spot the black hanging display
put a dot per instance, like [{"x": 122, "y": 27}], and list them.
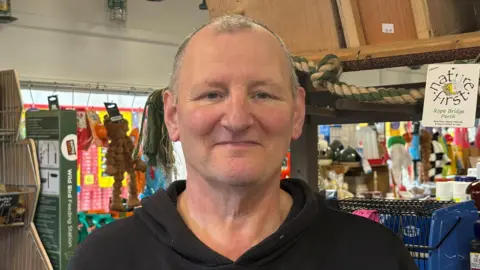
[
  {"x": 6, "y": 12},
  {"x": 118, "y": 10},
  {"x": 203, "y": 5}
]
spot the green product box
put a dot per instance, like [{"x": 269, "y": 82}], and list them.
[{"x": 55, "y": 133}]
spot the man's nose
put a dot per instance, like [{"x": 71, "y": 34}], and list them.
[{"x": 238, "y": 115}]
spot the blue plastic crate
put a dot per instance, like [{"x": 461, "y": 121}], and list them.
[{"x": 438, "y": 234}]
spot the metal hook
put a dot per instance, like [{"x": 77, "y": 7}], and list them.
[
  {"x": 31, "y": 94},
  {"x": 133, "y": 101},
  {"x": 108, "y": 94},
  {"x": 89, "y": 94},
  {"x": 73, "y": 96},
  {"x": 55, "y": 89}
]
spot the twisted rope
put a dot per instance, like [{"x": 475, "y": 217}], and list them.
[
  {"x": 157, "y": 146},
  {"x": 325, "y": 74}
]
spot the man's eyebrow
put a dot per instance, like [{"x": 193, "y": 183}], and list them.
[
  {"x": 218, "y": 83},
  {"x": 267, "y": 82},
  {"x": 215, "y": 83}
]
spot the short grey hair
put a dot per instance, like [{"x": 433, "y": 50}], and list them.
[{"x": 230, "y": 24}]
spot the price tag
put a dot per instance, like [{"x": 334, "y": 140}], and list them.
[{"x": 388, "y": 28}]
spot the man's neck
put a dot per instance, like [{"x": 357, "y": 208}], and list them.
[{"x": 232, "y": 220}]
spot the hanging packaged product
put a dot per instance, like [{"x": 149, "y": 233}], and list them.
[
  {"x": 83, "y": 132},
  {"x": 97, "y": 129}
]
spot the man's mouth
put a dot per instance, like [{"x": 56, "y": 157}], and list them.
[{"x": 245, "y": 143}]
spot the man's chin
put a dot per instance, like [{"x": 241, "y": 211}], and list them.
[
  {"x": 239, "y": 180},
  {"x": 236, "y": 182}
]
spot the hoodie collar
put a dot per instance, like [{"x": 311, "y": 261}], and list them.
[{"x": 160, "y": 215}]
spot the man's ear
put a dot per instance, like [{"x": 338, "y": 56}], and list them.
[
  {"x": 170, "y": 115},
  {"x": 298, "y": 113}
]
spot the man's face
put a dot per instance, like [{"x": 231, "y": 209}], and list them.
[{"x": 235, "y": 113}]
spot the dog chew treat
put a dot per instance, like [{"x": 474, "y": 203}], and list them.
[
  {"x": 425, "y": 146},
  {"x": 137, "y": 179},
  {"x": 119, "y": 161}
]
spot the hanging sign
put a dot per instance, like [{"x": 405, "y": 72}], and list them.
[
  {"x": 113, "y": 111},
  {"x": 53, "y": 104},
  {"x": 451, "y": 93}
]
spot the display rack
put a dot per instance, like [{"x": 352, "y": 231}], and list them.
[
  {"x": 19, "y": 185},
  {"x": 323, "y": 108}
]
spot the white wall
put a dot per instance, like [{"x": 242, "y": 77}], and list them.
[{"x": 75, "y": 40}]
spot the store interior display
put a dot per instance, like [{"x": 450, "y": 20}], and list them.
[
  {"x": 102, "y": 198},
  {"x": 365, "y": 147},
  {"x": 380, "y": 163},
  {"x": 368, "y": 165}
]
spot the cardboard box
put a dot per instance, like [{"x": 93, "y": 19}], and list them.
[
  {"x": 55, "y": 133},
  {"x": 369, "y": 22}
]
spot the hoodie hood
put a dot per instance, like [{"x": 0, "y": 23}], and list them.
[{"x": 159, "y": 214}]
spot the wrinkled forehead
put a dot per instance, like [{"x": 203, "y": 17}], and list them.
[{"x": 250, "y": 53}]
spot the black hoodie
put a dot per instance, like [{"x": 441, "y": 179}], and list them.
[{"x": 313, "y": 236}]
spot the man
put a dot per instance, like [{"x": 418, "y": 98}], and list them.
[{"x": 235, "y": 104}]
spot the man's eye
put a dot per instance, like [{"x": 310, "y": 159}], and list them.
[
  {"x": 262, "y": 95},
  {"x": 212, "y": 95}
]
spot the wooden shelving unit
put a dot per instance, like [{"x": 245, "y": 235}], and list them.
[
  {"x": 323, "y": 108},
  {"x": 406, "y": 53}
]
